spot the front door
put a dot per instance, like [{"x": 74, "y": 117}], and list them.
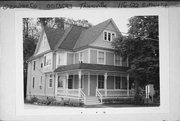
[{"x": 93, "y": 85}]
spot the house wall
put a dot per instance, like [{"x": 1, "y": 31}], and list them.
[
  {"x": 93, "y": 56},
  {"x": 110, "y": 82},
  {"x": 86, "y": 56},
  {"x": 37, "y": 74},
  {"x": 49, "y": 91},
  {"x": 70, "y": 57},
  {"x": 109, "y": 58},
  {"x": 76, "y": 58}
]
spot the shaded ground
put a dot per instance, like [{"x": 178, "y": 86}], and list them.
[{"x": 26, "y": 106}]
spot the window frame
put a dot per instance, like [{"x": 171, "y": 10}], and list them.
[
  {"x": 44, "y": 60},
  {"x": 50, "y": 80},
  {"x": 108, "y": 36},
  {"x": 33, "y": 84},
  {"x": 60, "y": 81},
  {"x": 81, "y": 56},
  {"x": 115, "y": 59},
  {"x": 99, "y": 81},
  {"x": 70, "y": 78},
  {"x": 120, "y": 82},
  {"x": 34, "y": 65},
  {"x": 98, "y": 57}
]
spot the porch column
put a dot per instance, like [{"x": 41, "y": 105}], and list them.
[
  {"x": 88, "y": 83},
  {"x": 55, "y": 84},
  {"x": 105, "y": 83},
  {"x": 66, "y": 84},
  {"x": 79, "y": 77},
  {"x": 127, "y": 84},
  {"x": 67, "y": 77}
]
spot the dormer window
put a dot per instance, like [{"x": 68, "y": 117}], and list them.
[{"x": 109, "y": 36}]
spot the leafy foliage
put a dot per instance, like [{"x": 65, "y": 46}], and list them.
[{"x": 141, "y": 46}]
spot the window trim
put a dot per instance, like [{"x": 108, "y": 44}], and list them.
[
  {"x": 50, "y": 78},
  {"x": 60, "y": 78},
  {"x": 34, "y": 65},
  {"x": 120, "y": 64},
  {"x": 107, "y": 35},
  {"x": 33, "y": 84},
  {"x": 81, "y": 59},
  {"x": 45, "y": 60},
  {"x": 98, "y": 82},
  {"x": 98, "y": 51},
  {"x": 120, "y": 82}
]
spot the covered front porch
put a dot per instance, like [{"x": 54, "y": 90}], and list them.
[{"x": 84, "y": 83}]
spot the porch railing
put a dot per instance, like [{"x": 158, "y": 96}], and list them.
[
  {"x": 99, "y": 95},
  {"x": 115, "y": 92},
  {"x": 82, "y": 95},
  {"x": 68, "y": 92}
]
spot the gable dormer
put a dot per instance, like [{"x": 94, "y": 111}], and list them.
[
  {"x": 43, "y": 44},
  {"x": 110, "y": 31}
]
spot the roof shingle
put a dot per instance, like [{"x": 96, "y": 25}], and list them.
[{"x": 90, "y": 67}]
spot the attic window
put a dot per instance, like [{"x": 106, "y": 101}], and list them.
[{"x": 109, "y": 36}]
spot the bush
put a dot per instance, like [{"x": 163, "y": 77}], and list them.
[
  {"x": 118, "y": 100},
  {"x": 52, "y": 101},
  {"x": 139, "y": 97}
]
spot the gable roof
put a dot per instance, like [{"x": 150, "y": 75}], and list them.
[
  {"x": 74, "y": 37},
  {"x": 90, "y": 35},
  {"x": 70, "y": 37},
  {"x": 53, "y": 36}
]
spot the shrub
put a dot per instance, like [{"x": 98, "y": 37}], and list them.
[
  {"x": 118, "y": 100},
  {"x": 139, "y": 97}
]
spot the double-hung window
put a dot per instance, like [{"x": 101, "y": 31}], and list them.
[
  {"x": 117, "y": 82},
  {"x": 101, "y": 58},
  {"x": 50, "y": 81},
  {"x": 34, "y": 65},
  {"x": 118, "y": 60},
  {"x": 109, "y": 36},
  {"x": 33, "y": 85},
  {"x": 100, "y": 81},
  {"x": 44, "y": 60},
  {"x": 60, "y": 81},
  {"x": 40, "y": 83}
]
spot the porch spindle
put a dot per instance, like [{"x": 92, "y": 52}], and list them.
[
  {"x": 127, "y": 84},
  {"x": 105, "y": 85}
]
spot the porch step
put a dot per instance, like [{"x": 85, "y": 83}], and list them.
[{"x": 92, "y": 101}]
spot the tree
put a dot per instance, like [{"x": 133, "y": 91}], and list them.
[
  {"x": 59, "y": 22},
  {"x": 141, "y": 47}
]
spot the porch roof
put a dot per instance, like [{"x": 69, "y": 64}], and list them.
[{"x": 91, "y": 67}]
